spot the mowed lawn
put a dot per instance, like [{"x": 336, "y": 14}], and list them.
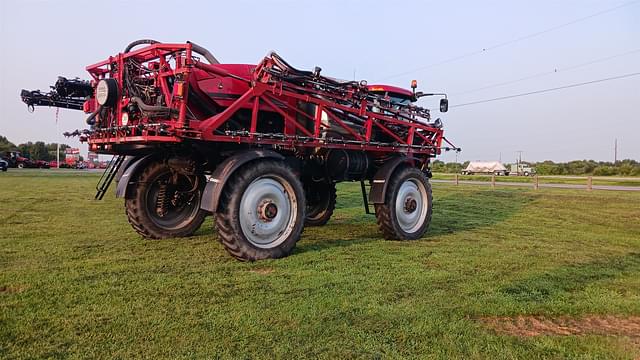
[{"x": 77, "y": 281}]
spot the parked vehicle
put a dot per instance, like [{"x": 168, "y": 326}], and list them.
[
  {"x": 485, "y": 167},
  {"x": 41, "y": 164},
  {"x": 522, "y": 169},
  {"x": 261, "y": 147},
  {"x": 16, "y": 160}
]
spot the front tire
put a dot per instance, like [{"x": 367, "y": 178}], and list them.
[
  {"x": 165, "y": 204},
  {"x": 261, "y": 212},
  {"x": 406, "y": 212}
]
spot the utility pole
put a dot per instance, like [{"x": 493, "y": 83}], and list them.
[
  {"x": 519, "y": 160},
  {"x": 519, "y": 156},
  {"x": 58, "y": 138},
  {"x": 615, "y": 151}
]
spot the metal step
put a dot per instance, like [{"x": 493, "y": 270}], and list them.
[{"x": 108, "y": 175}]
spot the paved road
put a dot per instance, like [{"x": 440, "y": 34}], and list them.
[{"x": 529, "y": 185}]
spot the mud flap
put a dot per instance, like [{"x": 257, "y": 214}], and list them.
[{"x": 215, "y": 184}]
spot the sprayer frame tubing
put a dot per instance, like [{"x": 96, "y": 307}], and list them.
[
  {"x": 266, "y": 93},
  {"x": 269, "y": 92}
]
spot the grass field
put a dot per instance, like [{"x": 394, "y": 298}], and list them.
[
  {"x": 574, "y": 180},
  {"x": 497, "y": 276}
]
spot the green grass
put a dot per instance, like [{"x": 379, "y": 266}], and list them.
[
  {"x": 76, "y": 281},
  {"x": 575, "y": 180}
]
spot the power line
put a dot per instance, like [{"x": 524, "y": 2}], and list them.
[
  {"x": 512, "y": 41},
  {"x": 547, "y": 90},
  {"x": 546, "y": 73}
]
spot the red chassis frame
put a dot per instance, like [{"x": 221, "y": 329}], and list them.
[{"x": 267, "y": 88}]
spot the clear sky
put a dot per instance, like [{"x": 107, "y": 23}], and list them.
[{"x": 376, "y": 40}]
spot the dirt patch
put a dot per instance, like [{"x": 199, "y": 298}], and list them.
[
  {"x": 262, "y": 271},
  {"x": 590, "y": 325},
  {"x": 6, "y": 289}
]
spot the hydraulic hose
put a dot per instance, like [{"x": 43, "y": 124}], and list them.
[
  {"x": 151, "y": 108},
  {"x": 195, "y": 47},
  {"x": 91, "y": 120},
  {"x": 139, "y": 42},
  {"x": 204, "y": 52},
  {"x": 303, "y": 73}
]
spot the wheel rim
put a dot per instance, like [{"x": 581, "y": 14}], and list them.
[
  {"x": 268, "y": 211},
  {"x": 411, "y": 205},
  {"x": 181, "y": 204}
]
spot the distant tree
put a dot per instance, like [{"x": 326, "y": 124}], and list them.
[
  {"x": 6, "y": 145},
  {"x": 39, "y": 151},
  {"x": 437, "y": 166},
  {"x": 625, "y": 167},
  {"x": 25, "y": 149},
  {"x": 52, "y": 147}
]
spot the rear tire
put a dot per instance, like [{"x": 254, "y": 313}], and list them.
[
  {"x": 178, "y": 215},
  {"x": 406, "y": 212},
  {"x": 321, "y": 201},
  {"x": 261, "y": 212}
]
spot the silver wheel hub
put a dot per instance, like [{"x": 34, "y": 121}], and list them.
[
  {"x": 411, "y": 205},
  {"x": 268, "y": 211}
]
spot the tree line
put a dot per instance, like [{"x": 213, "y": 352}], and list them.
[
  {"x": 41, "y": 151},
  {"x": 38, "y": 150},
  {"x": 625, "y": 167}
]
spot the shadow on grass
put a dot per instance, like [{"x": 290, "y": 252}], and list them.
[
  {"x": 571, "y": 278},
  {"x": 463, "y": 211},
  {"x": 455, "y": 212}
]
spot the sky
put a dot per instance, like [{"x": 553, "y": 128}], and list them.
[{"x": 438, "y": 43}]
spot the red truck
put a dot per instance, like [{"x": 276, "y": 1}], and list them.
[
  {"x": 16, "y": 160},
  {"x": 260, "y": 147}
]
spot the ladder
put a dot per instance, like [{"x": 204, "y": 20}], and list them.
[{"x": 108, "y": 175}]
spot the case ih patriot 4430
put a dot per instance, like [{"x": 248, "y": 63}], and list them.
[{"x": 260, "y": 147}]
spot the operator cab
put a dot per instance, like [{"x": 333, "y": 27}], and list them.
[
  {"x": 396, "y": 95},
  {"x": 399, "y": 96}
]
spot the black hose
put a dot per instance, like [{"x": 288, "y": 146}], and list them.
[
  {"x": 204, "y": 52},
  {"x": 151, "y": 108},
  {"x": 303, "y": 73},
  {"x": 91, "y": 120},
  {"x": 195, "y": 47},
  {"x": 139, "y": 42}
]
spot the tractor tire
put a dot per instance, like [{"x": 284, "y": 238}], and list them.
[
  {"x": 406, "y": 212},
  {"x": 526, "y": 173},
  {"x": 261, "y": 211},
  {"x": 20, "y": 166},
  {"x": 159, "y": 209},
  {"x": 321, "y": 201}
]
